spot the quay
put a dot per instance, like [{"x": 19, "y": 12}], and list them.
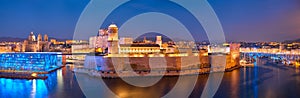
[
  {"x": 146, "y": 73},
  {"x": 29, "y": 75}
]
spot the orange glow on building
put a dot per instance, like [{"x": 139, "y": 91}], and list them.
[{"x": 99, "y": 50}]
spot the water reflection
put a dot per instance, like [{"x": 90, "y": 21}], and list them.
[
  {"x": 11, "y": 88},
  {"x": 255, "y": 85},
  {"x": 58, "y": 84},
  {"x": 266, "y": 80},
  {"x": 158, "y": 90}
]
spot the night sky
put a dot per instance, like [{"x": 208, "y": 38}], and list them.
[{"x": 242, "y": 20}]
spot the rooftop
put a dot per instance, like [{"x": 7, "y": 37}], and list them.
[{"x": 139, "y": 45}]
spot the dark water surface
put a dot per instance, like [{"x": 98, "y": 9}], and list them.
[
  {"x": 59, "y": 84},
  {"x": 266, "y": 80}
]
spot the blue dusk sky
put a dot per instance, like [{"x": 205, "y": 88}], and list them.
[{"x": 242, "y": 20}]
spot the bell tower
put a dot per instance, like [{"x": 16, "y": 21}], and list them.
[{"x": 113, "y": 39}]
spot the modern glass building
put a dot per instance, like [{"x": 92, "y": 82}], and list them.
[{"x": 30, "y": 62}]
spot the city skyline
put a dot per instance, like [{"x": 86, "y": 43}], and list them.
[
  {"x": 149, "y": 48},
  {"x": 253, "y": 20}
]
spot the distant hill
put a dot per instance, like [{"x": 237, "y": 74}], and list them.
[
  {"x": 11, "y": 39},
  {"x": 15, "y": 39},
  {"x": 152, "y": 36},
  {"x": 291, "y": 41}
]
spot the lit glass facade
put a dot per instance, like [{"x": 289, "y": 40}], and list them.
[{"x": 32, "y": 62}]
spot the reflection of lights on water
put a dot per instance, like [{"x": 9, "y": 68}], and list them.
[
  {"x": 123, "y": 94},
  {"x": 33, "y": 91},
  {"x": 14, "y": 88},
  {"x": 39, "y": 89},
  {"x": 255, "y": 86},
  {"x": 59, "y": 78},
  {"x": 235, "y": 80},
  {"x": 297, "y": 72}
]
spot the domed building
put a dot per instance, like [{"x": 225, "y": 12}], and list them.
[
  {"x": 33, "y": 45},
  {"x": 31, "y": 37}
]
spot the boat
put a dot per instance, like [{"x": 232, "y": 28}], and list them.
[{"x": 246, "y": 63}]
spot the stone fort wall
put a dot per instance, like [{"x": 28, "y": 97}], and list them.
[{"x": 140, "y": 63}]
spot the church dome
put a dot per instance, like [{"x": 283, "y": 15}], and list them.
[
  {"x": 113, "y": 26},
  {"x": 31, "y": 37}
]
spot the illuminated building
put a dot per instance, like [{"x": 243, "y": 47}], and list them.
[
  {"x": 204, "y": 59},
  {"x": 159, "y": 40},
  {"x": 185, "y": 44},
  {"x": 126, "y": 45},
  {"x": 146, "y": 41},
  {"x": 142, "y": 53},
  {"x": 18, "y": 47},
  {"x": 5, "y": 48},
  {"x": 169, "y": 48},
  {"x": 107, "y": 41},
  {"x": 81, "y": 48},
  {"x": 99, "y": 42},
  {"x": 33, "y": 45},
  {"x": 139, "y": 48},
  {"x": 46, "y": 38},
  {"x": 126, "y": 40},
  {"x": 31, "y": 37},
  {"x": 70, "y": 42},
  {"x": 234, "y": 55},
  {"x": 31, "y": 62},
  {"x": 39, "y": 37},
  {"x": 55, "y": 42},
  {"x": 113, "y": 39},
  {"x": 224, "y": 57}
]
